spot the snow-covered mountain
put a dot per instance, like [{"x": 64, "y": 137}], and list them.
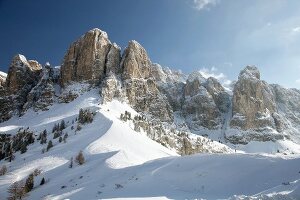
[{"x": 134, "y": 119}]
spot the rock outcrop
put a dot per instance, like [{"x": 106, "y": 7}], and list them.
[
  {"x": 22, "y": 76},
  {"x": 204, "y": 102},
  {"x": 2, "y": 79},
  {"x": 86, "y": 58},
  {"x": 140, "y": 86},
  {"x": 254, "y": 110},
  {"x": 288, "y": 106},
  {"x": 42, "y": 95},
  {"x": 253, "y": 102}
]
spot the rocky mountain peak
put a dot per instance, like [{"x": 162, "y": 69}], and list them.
[
  {"x": 97, "y": 31},
  {"x": 162, "y": 94},
  {"x": 250, "y": 72},
  {"x": 135, "y": 61},
  {"x": 22, "y": 72},
  {"x": 196, "y": 75},
  {"x": 85, "y": 60}
]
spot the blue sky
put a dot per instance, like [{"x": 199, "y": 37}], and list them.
[{"x": 219, "y": 37}]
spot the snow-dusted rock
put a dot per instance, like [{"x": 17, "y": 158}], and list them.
[
  {"x": 42, "y": 95},
  {"x": 204, "y": 102},
  {"x": 2, "y": 78},
  {"x": 22, "y": 76},
  {"x": 253, "y": 101},
  {"x": 141, "y": 88},
  {"x": 113, "y": 59}
]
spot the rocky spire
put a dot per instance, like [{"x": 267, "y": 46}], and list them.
[
  {"x": 135, "y": 61},
  {"x": 22, "y": 74},
  {"x": 86, "y": 58},
  {"x": 253, "y": 101},
  {"x": 141, "y": 88}
]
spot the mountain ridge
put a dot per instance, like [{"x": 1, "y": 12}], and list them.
[{"x": 203, "y": 105}]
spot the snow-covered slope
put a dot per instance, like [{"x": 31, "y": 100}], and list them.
[
  {"x": 107, "y": 140},
  {"x": 122, "y": 163}
]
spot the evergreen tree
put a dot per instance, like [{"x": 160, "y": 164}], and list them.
[
  {"x": 16, "y": 191},
  {"x": 62, "y": 125},
  {"x": 71, "y": 163},
  {"x": 44, "y": 137},
  {"x": 42, "y": 181},
  {"x": 30, "y": 138},
  {"x": 60, "y": 139},
  {"x": 23, "y": 147},
  {"x": 80, "y": 158},
  {"x": 29, "y": 183},
  {"x": 3, "y": 170},
  {"x": 50, "y": 145},
  {"x": 65, "y": 137}
]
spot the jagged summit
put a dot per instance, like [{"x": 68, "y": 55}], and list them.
[
  {"x": 196, "y": 75},
  {"x": 250, "y": 72},
  {"x": 86, "y": 57},
  {"x": 119, "y": 112},
  {"x": 97, "y": 31},
  {"x": 203, "y": 105}
]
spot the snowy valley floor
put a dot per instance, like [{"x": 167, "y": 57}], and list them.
[{"x": 124, "y": 164}]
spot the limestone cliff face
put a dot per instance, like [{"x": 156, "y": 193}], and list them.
[
  {"x": 288, "y": 107},
  {"x": 86, "y": 58},
  {"x": 22, "y": 76},
  {"x": 113, "y": 60},
  {"x": 140, "y": 86},
  {"x": 135, "y": 62},
  {"x": 257, "y": 110},
  {"x": 204, "y": 102},
  {"x": 42, "y": 94},
  {"x": 253, "y": 101}
]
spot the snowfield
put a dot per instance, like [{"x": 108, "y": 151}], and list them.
[{"x": 124, "y": 164}]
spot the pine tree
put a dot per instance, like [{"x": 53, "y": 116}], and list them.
[
  {"x": 62, "y": 125},
  {"x": 30, "y": 138},
  {"x": 44, "y": 137},
  {"x": 3, "y": 170},
  {"x": 11, "y": 155},
  {"x": 42, "y": 181},
  {"x": 29, "y": 183},
  {"x": 60, "y": 139},
  {"x": 71, "y": 163},
  {"x": 80, "y": 158},
  {"x": 23, "y": 147},
  {"x": 50, "y": 145},
  {"x": 65, "y": 137},
  {"x": 16, "y": 191}
]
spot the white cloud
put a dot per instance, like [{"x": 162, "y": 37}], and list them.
[
  {"x": 296, "y": 29},
  {"x": 202, "y": 4},
  {"x": 298, "y": 81},
  {"x": 213, "y": 72}
]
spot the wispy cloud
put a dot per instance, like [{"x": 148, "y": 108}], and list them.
[
  {"x": 204, "y": 4},
  {"x": 213, "y": 72},
  {"x": 298, "y": 81},
  {"x": 296, "y": 29}
]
